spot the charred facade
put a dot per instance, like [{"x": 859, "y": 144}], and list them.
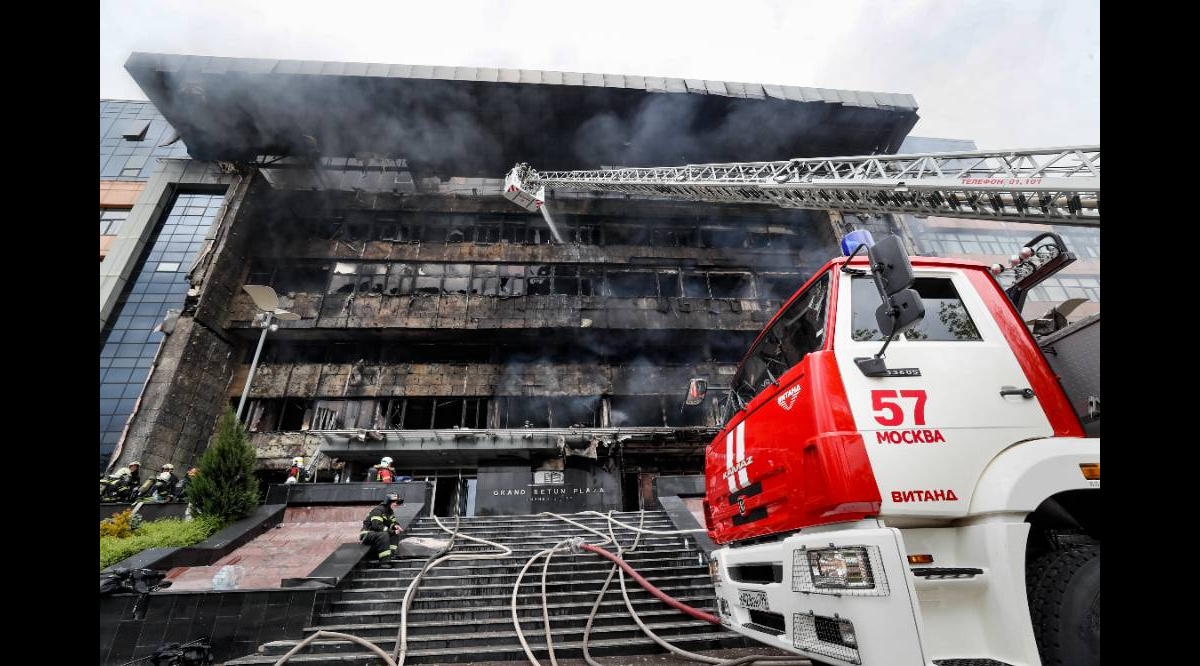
[{"x": 442, "y": 326}]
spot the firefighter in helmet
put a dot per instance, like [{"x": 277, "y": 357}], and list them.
[
  {"x": 296, "y": 472},
  {"x": 383, "y": 472},
  {"x": 381, "y": 532},
  {"x": 162, "y": 487},
  {"x": 121, "y": 484}
]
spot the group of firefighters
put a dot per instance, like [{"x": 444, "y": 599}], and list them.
[
  {"x": 381, "y": 473},
  {"x": 380, "y": 530},
  {"x": 126, "y": 484}
]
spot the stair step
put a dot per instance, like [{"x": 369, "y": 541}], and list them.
[
  {"x": 503, "y": 610},
  {"x": 494, "y": 638},
  {"x": 490, "y": 568},
  {"x": 529, "y": 621},
  {"x": 491, "y": 576},
  {"x": 711, "y": 640},
  {"x": 396, "y": 596},
  {"x": 531, "y": 583}
]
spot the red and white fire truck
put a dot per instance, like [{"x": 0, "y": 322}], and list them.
[
  {"x": 901, "y": 478},
  {"x": 936, "y": 506}
]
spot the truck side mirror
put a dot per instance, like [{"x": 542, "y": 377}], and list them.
[
  {"x": 890, "y": 264},
  {"x": 901, "y": 307},
  {"x": 908, "y": 309},
  {"x": 697, "y": 388}
]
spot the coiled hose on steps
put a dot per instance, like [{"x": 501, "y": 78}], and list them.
[{"x": 620, "y": 566}]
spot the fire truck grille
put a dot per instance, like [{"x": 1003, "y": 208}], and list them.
[{"x": 821, "y": 635}]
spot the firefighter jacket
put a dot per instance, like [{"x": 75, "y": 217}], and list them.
[
  {"x": 381, "y": 519},
  {"x": 126, "y": 477},
  {"x": 165, "y": 482},
  {"x": 382, "y": 473}
]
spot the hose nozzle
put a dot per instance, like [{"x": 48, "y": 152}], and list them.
[{"x": 576, "y": 545}]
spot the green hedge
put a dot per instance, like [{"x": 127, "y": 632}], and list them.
[{"x": 165, "y": 533}]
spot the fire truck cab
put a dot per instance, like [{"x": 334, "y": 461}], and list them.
[{"x": 934, "y": 503}]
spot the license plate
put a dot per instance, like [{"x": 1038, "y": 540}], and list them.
[{"x": 753, "y": 599}]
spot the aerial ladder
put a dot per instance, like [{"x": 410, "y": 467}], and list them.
[
  {"x": 1042, "y": 185},
  {"x": 916, "y": 487}
]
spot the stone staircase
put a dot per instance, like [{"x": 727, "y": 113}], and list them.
[{"x": 461, "y": 613}]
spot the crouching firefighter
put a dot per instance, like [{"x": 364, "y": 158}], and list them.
[{"x": 381, "y": 532}]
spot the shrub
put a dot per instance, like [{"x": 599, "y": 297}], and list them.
[
  {"x": 119, "y": 525},
  {"x": 165, "y": 533},
  {"x": 225, "y": 486}
]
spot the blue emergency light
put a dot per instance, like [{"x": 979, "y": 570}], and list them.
[{"x": 852, "y": 241}]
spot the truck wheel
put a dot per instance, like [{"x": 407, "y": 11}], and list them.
[{"x": 1064, "y": 605}]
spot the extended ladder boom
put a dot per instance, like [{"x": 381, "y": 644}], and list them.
[{"x": 1049, "y": 185}]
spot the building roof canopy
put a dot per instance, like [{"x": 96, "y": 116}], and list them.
[{"x": 478, "y": 121}]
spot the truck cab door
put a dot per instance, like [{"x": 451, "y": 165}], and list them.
[{"x": 954, "y": 398}]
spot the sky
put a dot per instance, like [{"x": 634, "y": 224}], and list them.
[{"x": 1007, "y": 74}]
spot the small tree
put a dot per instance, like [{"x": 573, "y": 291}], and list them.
[{"x": 225, "y": 486}]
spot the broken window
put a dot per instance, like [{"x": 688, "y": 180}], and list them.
[
  {"x": 668, "y": 284},
  {"x": 372, "y": 278},
  {"x": 514, "y": 232},
  {"x": 631, "y": 284},
  {"x": 680, "y": 415},
  {"x": 731, "y": 285},
  {"x": 458, "y": 278},
  {"x": 357, "y": 231},
  {"x": 566, "y": 280},
  {"x": 429, "y": 279},
  {"x": 587, "y": 234},
  {"x": 135, "y": 130},
  {"x": 326, "y": 415},
  {"x": 538, "y": 280},
  {"x": 512, "y": 280},
  {"x": 525, "y": 412},
  {"x": 591, "y": 279},
  {"x": 636, "y": 411},
  {"x": 621, "y": 234},
  {"x": 386, "y": 230},
  {"x": 487, "y": 232},
  {"x": 695, "y": 285},
  {"x": 291, "y": 414},
  {"x": 399, "y": 280},
  {"x": 667, "y": 237},
  {"x": 574, "y": 411},
  {"x": 433, "y": 233},
  {"x": 418, "y": 413},
  {"x": 717, "y": 237},
  {"x": 301, "y": 279},
  {"x": 459, "y": 413},
  {"x": 484, "y": 281}
]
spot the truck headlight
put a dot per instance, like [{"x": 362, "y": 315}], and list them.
[{"x": 841, "y": 568}]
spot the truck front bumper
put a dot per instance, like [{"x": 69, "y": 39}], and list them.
[{"x": 768, "y": 593}]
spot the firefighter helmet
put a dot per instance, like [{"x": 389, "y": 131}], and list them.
[
  {"x": 387, "y": 460},
  {"x": 169, "y": 467},
  {"x": 393, "y": 497},
  {"x": 298, "y": 460},
  {"x": 134, "y": 463}
]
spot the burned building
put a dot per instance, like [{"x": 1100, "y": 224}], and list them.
[{"x": 517, "y": 367}]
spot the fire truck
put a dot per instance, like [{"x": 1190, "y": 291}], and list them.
[{"x": 901, "y": 477}]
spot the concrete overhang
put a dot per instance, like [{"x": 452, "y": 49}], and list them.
[
  {"x": 477, "y": 122},
  {"x": 468, "y": 446}
]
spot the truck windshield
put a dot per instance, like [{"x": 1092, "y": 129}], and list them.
[
  {"x": 946, "y": 318},
  {"x": 800, "y": 329}
]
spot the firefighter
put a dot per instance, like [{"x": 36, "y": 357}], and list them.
[
  {"x": 182, "y": 489},
  {"x": 383, "y": 472},
  {"x": 161, "y": 487},
  {"x": 381, "y": 532},
  {"x": 296, "y": 472},
  {"x": 120, "y": 484}
]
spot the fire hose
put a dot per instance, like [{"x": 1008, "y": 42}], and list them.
[{"x": 577, "y": 544}]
